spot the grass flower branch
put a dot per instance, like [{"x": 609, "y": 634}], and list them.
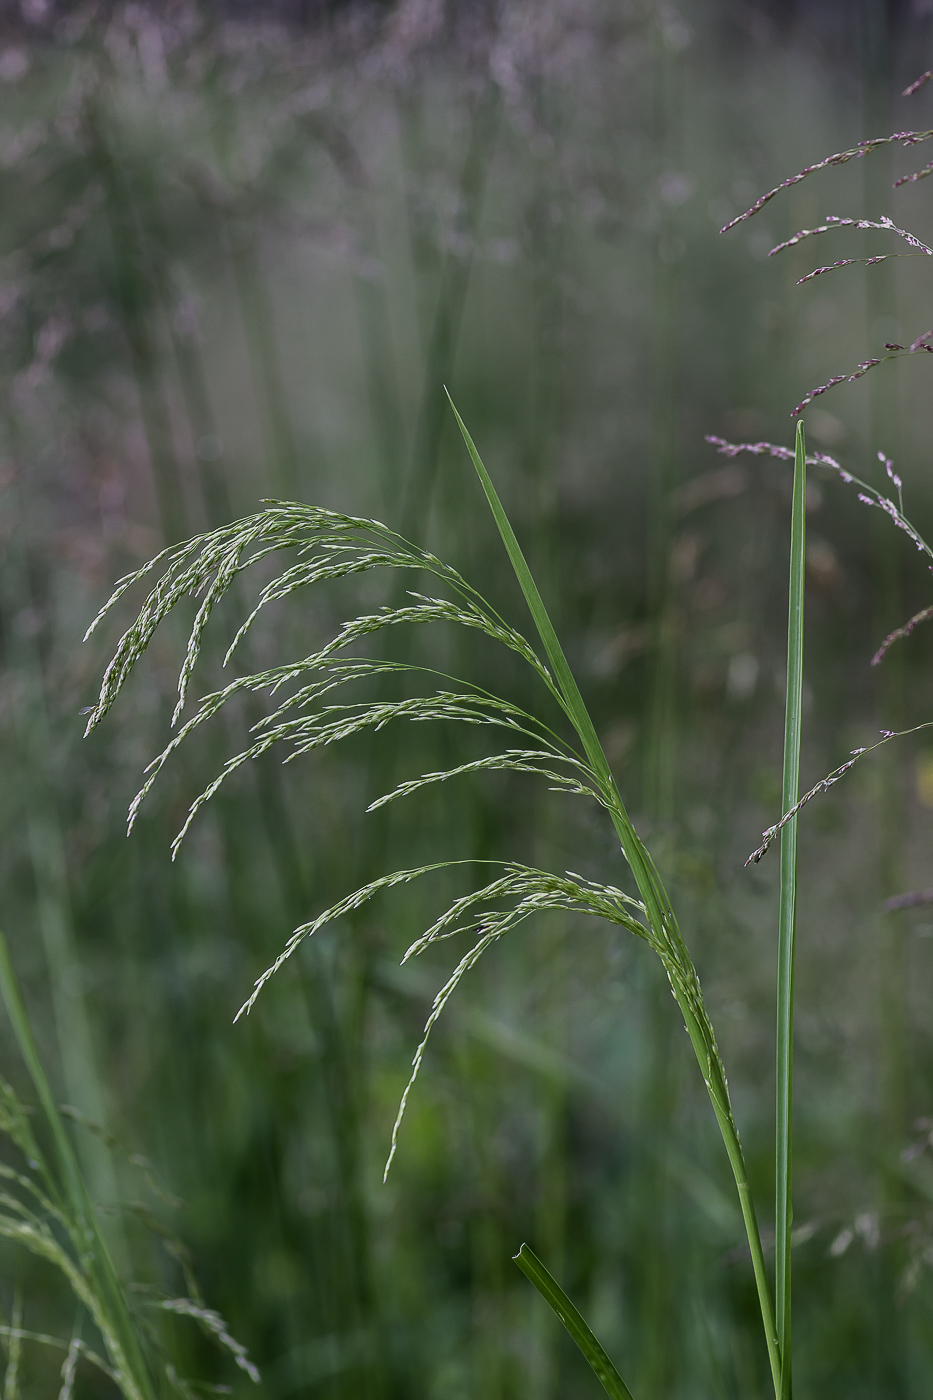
[{"x": 329, "y": 546}]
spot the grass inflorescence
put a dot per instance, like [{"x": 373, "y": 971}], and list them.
[{"x": 332, "y": 545}]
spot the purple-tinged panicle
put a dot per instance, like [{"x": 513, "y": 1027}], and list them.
[
  {"x": 891, "y": 906},
  {"x": 867, "y": 493},
  {"x": 846, "y": 262},
  {"x": 826, "y": 783},
  {"x": 771, "y": 449},
  {"x": 889, "y": 470},
  {"x": 906, "y": 138},
  {"x": 923, "y": 615},
  {"x": 918, "y": 83},
  {"x": 815, "y": 393},
  {"x": 895, "y": 352},
  {"x": 917, "y": 175},
  {"x": 759, "y": 449},
  {"x": 835, "y": 221},
  {"x": 830, "y": 267},
  {"x": 822, "y": 786}
]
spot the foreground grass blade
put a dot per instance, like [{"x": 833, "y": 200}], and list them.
[
  {"x": 111, "y": 1312},
  {"x": 787, "y": 930},
  {"x": 573, "y": 700},
  {"x": 552, "y": 1293},
  {"x": 677, "y": 962}
]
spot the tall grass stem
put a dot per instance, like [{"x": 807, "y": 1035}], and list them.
[{"x": 787, "y": 931}]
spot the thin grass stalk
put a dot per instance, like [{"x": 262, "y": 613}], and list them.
[
  {"x": 651, "y": 888},
  {"x": 787, "y": 930}
]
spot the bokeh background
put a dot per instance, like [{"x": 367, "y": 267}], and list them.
[{"x": 242, "y": 248}]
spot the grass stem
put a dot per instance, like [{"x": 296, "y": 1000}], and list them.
[{"x": 787, "y": 931}]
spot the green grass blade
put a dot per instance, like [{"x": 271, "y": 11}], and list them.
[
  {"x": 650, "y": 887},
  {"x": 573, "y": 700},
  {"x": 552, "y": 1293},
  {"x": 132, "y": 1372},
  {"x": 649, "y": 884},
  {"x": 787, "y": 930}
]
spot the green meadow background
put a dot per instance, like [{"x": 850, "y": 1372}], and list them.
[{"x": 242, "y": 250}]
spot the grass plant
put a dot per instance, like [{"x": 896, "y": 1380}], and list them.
[
  {"x": 333, "y": 546},
  {"x": 46, "y": 1209},
  {"x": 184, "y": 355}
]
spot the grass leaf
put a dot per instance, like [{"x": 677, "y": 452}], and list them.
[
  {"x": 665, "y": 936},
  {"x": 552, "y": 1293}
]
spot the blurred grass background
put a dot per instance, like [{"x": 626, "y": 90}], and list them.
[{"x": 242, "y": 248}]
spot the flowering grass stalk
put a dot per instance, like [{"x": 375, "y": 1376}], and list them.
[
  {"x": 792, "y": 802},
  {"x": 309, "y": 711},
  {"x": 331, "y": 545}
]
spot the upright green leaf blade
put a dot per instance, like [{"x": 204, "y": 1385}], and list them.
[
  {"x": 787, "y": 928},
  {"x": 649, "y": 884},
  {"x": 552, "y": 1293},
  {"x": 563, "y": 675}
]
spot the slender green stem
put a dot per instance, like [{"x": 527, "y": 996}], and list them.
[
  {"x": 783, "y": 1208},
  {"x": 719, "y": 1098}
]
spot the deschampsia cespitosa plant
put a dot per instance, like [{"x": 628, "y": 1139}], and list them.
[
  {"x": 310, "y": 705},
  {"x": 306, "y": 714}
]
